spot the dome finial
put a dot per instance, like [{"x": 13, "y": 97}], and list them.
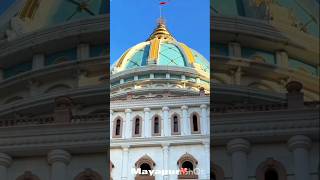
[{"x": 161, "y": 31}]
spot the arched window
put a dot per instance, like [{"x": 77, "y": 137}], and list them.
[
  {"x": 195, "y": 123},
  {"x": 145, "y": 164},
  {"x": 271, "y": 169},
  {"x": 156, "y": 126},
  {"x": 88, "y": 174},
  {"x": 175, "y": 124},
  {"x": 271, "y": 174},
  {"x": 217, "y": 173},
  {"x": 189, "y": 163},
  {"x": 28, "y": 175},
  {"x": 137, "y": 126},
  {"x": 117, "y": 127}
]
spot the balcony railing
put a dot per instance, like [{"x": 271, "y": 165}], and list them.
[
  {"x": 89, "y": 118},
  {"x": 26, "y": 121},
  {"x": 76, "y": 119},
  {"x": 259, "y": 107}
]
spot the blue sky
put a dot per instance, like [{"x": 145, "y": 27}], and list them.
[
  {"x": 132, "y": 21},
  {"x": 4, "y": 4}
]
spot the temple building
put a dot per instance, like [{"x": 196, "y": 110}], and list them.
[
  {"x": 159, "y": 120},
  {"x": 265, "y": 90},
  {"x": 53, "y": 79}
]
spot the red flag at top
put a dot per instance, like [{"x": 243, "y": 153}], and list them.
[{"x": 163, "y": 3}]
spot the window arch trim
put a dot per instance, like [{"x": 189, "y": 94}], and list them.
[
  {"x": 172, "y": 124},
  {"x": 88, "y": 173},
  {"x": 192, "y": 124},
  {"x": 28, "y": 175},
  {"x": 114, "y": 134},
  {"x": 134, "y": 126},
  {"x": 153, "y": 123},
  {"x": 184, "y": 158},
  {"x": 268, "y": 164}
]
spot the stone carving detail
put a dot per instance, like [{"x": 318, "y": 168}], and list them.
[
  {"x": 28, "y": 175},
  {"x": 88, "y": 174},
  {"x": 145, "y": 159},
  {"x": 16, "y": 28},
  {"x": 271, "y": 164}
]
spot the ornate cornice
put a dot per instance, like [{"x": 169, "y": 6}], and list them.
[
  {"x": 273, "y": 126},
  {"x": 160, "y": 102},
  {"x": 159, "y": 141},
  {"x": 59, "y": 34}
]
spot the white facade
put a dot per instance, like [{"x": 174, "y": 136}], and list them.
[
  {"x": 165, "y": 149},
  {"x": 52, "y": 93},
  {"x": 265, "y": 119},
  {"x": 160, "y": 110}
]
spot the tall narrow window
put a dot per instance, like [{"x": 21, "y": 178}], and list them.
[
  {"x": 137, "y": 126},
  {"x": 156, "y": 126},
  {"x": 117, "y": 127},
  {"x": 175, "y": 124},
  {"x": 195, "y": 123}
]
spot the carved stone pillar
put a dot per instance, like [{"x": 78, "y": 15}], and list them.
[
  {"x": 111, "y": 124},
  {"x": 204, "y": 119},
  {"x": 83, "y": 51},
  {"x": 300, "y": 145},
  {"x": 147, "y": 123},
  {"x": 5, "y": 161},
  {"x": 165, "y": 150},
  {"x": 294, "y": 95},
  {"x": 185, "y": 123},
  {"x": 206, "y": 145},
  {"x": 234, "y": 49},
  {"x": 125, "y": 158},
  {"x": 238, "y": 148},
  {"x": 282, "y": 59},
  {"x": 128, "y": 123},
  {"x": 62, "y": 112},
  {"x": 59, "y": 159},
  {"x": 166, "y": 125}
]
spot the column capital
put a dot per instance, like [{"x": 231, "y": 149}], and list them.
[
  {"x": 111, "y": 111},
  {"x": 203, "y": 106},
  {"x": 299, "y": 141},
  {"x": 206, "y": 142},
  {"x": 146, "y": 109},
  {"x": 238, "y": 145},
  {"x": 184, "y": 107},
  {"x": 59, "y": 155},
  {"x": 125, "y": 147},
  {"x": 128, "y": 111},
  {"x": 165, "y": 145},
  {"x": 165, "y": 108},
  {"x": 5, "y": 160}
]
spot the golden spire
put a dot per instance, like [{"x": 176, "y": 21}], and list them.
[{"x": 161, "y": 32}]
